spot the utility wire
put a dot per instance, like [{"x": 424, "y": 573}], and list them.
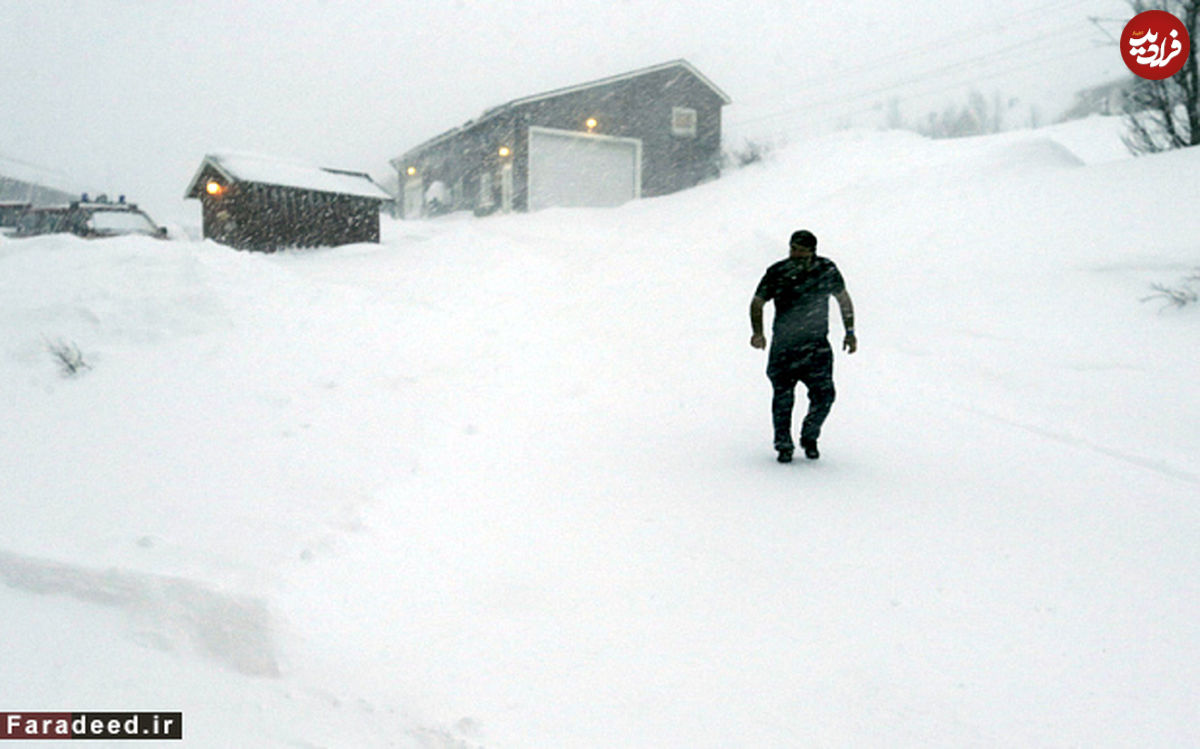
[
  {"x": 934, "y": 73},
  {"x": 829, "y": 116},
  {"x": 982, "y": 61},
  {"x": 987, "y": 29},
  {"x": 1060, "y": 33}
]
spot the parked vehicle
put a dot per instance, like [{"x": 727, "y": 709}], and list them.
[
  {"x": 41, "y": 220},
  {"x": 88, "y": 218},
  {"x": 10, "y": 213}
]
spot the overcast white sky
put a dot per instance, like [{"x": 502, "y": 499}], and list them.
[{"x": 127, "y": 96}]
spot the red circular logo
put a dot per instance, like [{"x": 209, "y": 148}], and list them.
[{"x": 1155, "y": 45}]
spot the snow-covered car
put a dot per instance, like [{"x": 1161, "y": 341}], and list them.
[
  {"x": 41, "y": 220},
  {"x": 10, "y": 212},
  {"x": 89, "y": 219}
]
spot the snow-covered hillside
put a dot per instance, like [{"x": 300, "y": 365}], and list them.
[{"x": 509, "y": 481}]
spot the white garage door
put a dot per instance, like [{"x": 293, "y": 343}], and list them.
[
  {"x": 577, "y": 169},
  {"x": 414, "y": 198}
]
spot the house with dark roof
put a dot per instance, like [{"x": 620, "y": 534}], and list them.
[
  {"x": 255, "y": 202},
  {"x": 27, "y": 184},
  {"x": 648, "y": 132}
]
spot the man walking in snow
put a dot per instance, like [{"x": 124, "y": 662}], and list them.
[{"x": 800, "y": 352}]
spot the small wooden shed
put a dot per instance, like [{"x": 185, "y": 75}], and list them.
[
  {"x": 647, "y": 132},
  {"x": 255, "y": 202}
]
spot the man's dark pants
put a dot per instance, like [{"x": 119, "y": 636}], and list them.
[{"x": 812, "y": 364}]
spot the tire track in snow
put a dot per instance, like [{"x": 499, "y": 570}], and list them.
[{"x": 1152, "y": 465}]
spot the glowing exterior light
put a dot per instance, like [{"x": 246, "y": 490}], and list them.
[
  {"x": 412, "y": 171},
  {"x": 591, "y": 124},
  {"x": 504, "y": 152},
  {"x": 214, "y": 188}
]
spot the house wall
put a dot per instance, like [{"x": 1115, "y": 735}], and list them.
[
  {"x": 638, "y": 107},
  {"x": 641, "y": 108},
  {"x": 266, "y": 218},
  {"x": 460, "y": 162}
]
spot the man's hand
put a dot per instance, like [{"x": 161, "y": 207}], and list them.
[
  {"x": 850, "y": 344},
  {"x": 757, "y": 339}
]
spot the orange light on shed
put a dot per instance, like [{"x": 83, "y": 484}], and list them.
[{"x": 214, "y": 188}]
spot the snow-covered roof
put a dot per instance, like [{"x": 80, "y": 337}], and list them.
[
  {"x": 268, "y": 170},
  {"x": 490, "y": 113},
  {"x": 22, "y": 171},
  {"x": 615, "y": 79}
]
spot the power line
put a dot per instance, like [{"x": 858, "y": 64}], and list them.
[
  {"x": 995, "y": 55},
  {"x": 1070, "y": 34},
  {"x": 988, "y": 28},
  {"x": 830, "y": 116}
]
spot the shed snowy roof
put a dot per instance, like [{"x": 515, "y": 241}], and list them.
[{"x": 267, "y": 170}]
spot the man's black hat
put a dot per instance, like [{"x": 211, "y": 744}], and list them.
[{"x": 804, "y": 238}]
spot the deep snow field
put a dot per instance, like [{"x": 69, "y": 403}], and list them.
[{"x": 508, "y": 482}]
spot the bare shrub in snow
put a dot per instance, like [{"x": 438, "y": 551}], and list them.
[
  {"x": 1180, "y": 295},
  {"x": 750, "y": 152},
  {"x": 68, "y": 357}
]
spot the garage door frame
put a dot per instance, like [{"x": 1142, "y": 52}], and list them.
[
  {"x": 414, "y": 198},
  {"x": 534, "y": 130}
]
